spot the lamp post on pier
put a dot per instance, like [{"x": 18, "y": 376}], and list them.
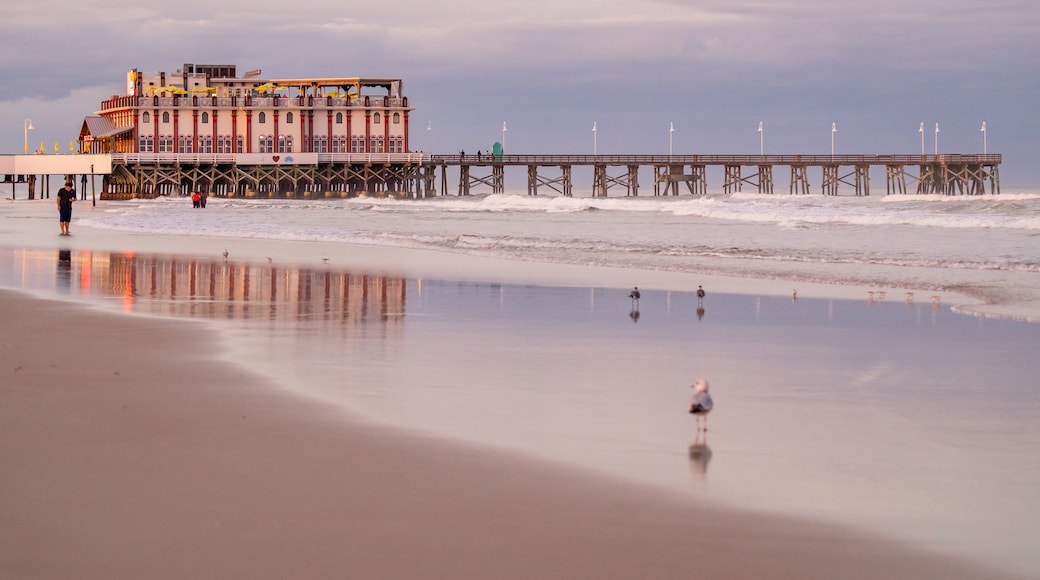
[
  {"x": 834, "y": 129},
  {"x": 594, "y": 148},
  {"x": 27, "y": 126},
  {"x": 671, "y": 130},
  {"x": 761, "y": 141},
  {"x": 921, "y": 131},
  {"x": 504, "y": 129},
  {"x": 937, "y": 138},
  {"x": 984, "y": 151}
]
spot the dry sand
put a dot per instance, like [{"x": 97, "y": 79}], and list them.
[{"x": 121, "y": 460}]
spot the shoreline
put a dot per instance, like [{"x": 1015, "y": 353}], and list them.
[{"x": 202, "y": 469}]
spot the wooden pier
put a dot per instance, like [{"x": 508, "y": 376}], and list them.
[
  {"x": 948, "y": 174},
  {"x": 415, "y": 175}
]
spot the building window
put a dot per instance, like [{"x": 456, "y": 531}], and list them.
[
  {"x": 376, "y": 119},
  {"x": 240, "y": 144},
  {"x": 166, "y": 144},
  {"x": 146, "y": 118},
  {"x": 166, "y": 117},
  {"x": 262, "y": 118},
  {"x": 206, "y": 144},
  {"x": 357, "y": 144},
  {"x": 266, "y": 144},
  {"x": 224, "y": 144},
  {"x": 339, "y": 118},
  {"x": 339, "y": 144},
  {"x": 397, "y": 118},
  {"x": 285, "y": 144},
  {"x": 184, "y": 144},
  {"x": 288, "y": 118},
  {"x": 205, "y": 118},
  {"x": 375, "y": 145},
  {"x": 146, "y": 144}
]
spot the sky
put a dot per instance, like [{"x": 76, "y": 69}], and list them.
[{"x": 712, "y": 70}]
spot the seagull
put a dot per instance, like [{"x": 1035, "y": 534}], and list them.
[
  {"x": 701, "y": 403},
  {"x": 225, "y": 254},
  {"x": 324, "y": 260},
  {"x": 269, "y": 260}
]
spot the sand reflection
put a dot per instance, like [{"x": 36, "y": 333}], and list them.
[{"x": 213, "y": 289}]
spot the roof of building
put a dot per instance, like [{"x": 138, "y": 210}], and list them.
[{"x": 101, "y": 127}]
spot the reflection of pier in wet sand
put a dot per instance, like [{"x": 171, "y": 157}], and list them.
[{"x": 212, "y": 289}]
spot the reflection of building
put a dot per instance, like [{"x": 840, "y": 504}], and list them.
[{"x": 188, "y": 287}]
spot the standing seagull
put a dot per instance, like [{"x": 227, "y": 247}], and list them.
[
  {"x": 225, "y": 254},
  {"x": 701, "y": 403}
]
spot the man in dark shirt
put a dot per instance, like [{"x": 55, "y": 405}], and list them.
[{"x": 66, "y": 196}]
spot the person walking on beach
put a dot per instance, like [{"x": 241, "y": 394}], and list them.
[
  {"x": 195, "y": 200},
  {"x": 66, "y": 196}
]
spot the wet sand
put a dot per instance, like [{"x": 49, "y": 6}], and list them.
[{"x": 123, "y": 459}]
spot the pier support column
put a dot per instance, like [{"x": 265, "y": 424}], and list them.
[
  {"x": 733, "y": 180},
  {"x": 765, "y": 179},
  {"x": 599, "y": 180},
  {"x": 862, "y": 180},
  {"x": 830, "y": 180},
  {"x": 799, "y": 179},
  {"x": 498, "y": 178},
  {"x": 895, "y": 179}
]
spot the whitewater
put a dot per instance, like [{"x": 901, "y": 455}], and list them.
[{"x": 985, "y": 247}]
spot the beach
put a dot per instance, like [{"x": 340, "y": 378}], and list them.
[{"x": 170, "y": 448}]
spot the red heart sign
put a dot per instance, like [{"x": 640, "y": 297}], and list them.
[{"x": 276, "y": 158}]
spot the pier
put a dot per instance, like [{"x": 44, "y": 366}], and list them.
[
  {"x": 947, "y": 174},
  {"x": 418, "y": 175}
]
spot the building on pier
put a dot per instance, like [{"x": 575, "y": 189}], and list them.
[{"x": 246, "y": 134}]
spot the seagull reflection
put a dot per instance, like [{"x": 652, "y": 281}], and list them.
[{"x": 700, "y": 456}]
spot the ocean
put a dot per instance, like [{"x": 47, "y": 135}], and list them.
[
  {"x": 985, "y": 246},
  {"x": 891, "y": 412}
]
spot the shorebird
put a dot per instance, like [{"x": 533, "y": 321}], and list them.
[
  {"x": 701, "y": 403},
  {"x": 269, "y": 260},
  {"x": 324, "y": 260},
  {"x": 225, "y": 254},
  {"x": 794, "y": 295}
]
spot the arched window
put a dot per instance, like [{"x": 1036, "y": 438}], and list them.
[
  {"x": 397, "y": 118},
  {"x": 262, "y": 118},
  {"x": 376, "y": 119},
  {"x": 205, "y": 118},
  {"x": 288, "y": 118},
  {"x": 339, "y": 118},
  {"x": 146, "y": 118},
  {"x": 166, "y": 117}
]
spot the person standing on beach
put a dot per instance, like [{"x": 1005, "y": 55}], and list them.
[
  {"x": 700, "y": 294},
  {"x": 66, "y": 196}
]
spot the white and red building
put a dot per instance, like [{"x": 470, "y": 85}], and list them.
[{"x": 203, "y": 108}]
